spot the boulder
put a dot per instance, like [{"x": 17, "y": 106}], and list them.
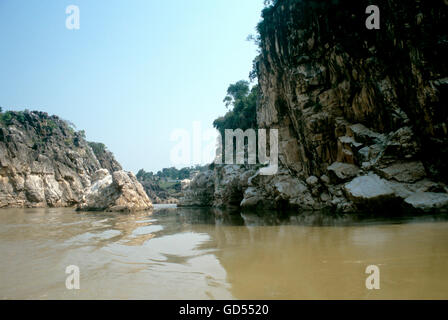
[
  {"x": 252, "y": 198},
  {"x": 312, "y": 181},
  {"x": 428, "y": 201},
  {"x": 325, "y": 179},
  {"x": 117, "y": 192},
  {"x": 368, "y": 189},
  {"x": 289, "y": 187},
  {"x": 340, "y": 172},
  {"x": 404, "y": 172}
]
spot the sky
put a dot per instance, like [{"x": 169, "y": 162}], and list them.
[{"x": 137, "y": 75}]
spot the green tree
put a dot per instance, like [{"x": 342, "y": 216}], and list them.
[
  {"x": 140, "y": 173},
  {"x": 97, "y": 147},
  {"x": 243, "y": 115},
  {"x": 236, "y": 91}
]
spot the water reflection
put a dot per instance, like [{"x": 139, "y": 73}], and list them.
[{"x": 175, "y": 253}]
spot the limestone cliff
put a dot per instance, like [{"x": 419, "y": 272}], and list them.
[
  {"x": 362, "y": 114},
  {"x": 44, "y": 162}
]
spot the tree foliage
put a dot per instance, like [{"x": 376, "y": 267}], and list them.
[
  {"x": 243, "y": 101},
  {"x": 169, "y": 173}
]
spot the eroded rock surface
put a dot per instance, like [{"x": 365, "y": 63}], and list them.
[{"x": 116, "y": 192}]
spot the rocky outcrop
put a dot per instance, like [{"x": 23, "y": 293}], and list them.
[
  {"x": 45, "y": 162},
  {"x": 220, "y": 186},
  {"x": 200, "y": 192},
  {"x": 361, "y": 114},
  {"x": 230, "y": 183},
  {"x": 116, "y": 192},
  {"x": 352, "y": 102}
]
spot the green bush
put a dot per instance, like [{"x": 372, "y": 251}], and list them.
[
  {"x": 6, "y": 118},
  {"x": 97, "y": 147}
]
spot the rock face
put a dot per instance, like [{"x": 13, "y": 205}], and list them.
[
  {"x": 220, "y": 186},
  {"x": 44, "y": 162},
  {"x": 348, "y": 101},
  {"x": 200, "y": 192},
  {"x": 363, "y": 111},
  {"x": 119, "y": 191}
]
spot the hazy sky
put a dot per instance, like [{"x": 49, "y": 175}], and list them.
[{"x": 134, "y": 72}]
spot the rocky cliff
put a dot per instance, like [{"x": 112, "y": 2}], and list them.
[
  {"x": 45, "y": 162},
  {"x": 362, "y": 114}
]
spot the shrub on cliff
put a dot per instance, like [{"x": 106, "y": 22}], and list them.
[
  {"x": 97, "y": 147},
  {"x": 7, "y": 117}
]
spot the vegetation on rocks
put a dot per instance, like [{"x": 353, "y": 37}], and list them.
[{"x": 243, "y": 103}]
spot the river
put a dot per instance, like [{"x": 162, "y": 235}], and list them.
[{"x": 179, "y": 253}]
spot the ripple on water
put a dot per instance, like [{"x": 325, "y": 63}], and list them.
[{"x": 184, "y": 253}]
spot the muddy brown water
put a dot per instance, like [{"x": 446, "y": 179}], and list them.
[{"x": 179, "y": 253}]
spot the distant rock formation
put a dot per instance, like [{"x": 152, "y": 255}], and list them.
[
  {"x": 200, "y": 191},
  {"x": 159, "y": 195},
  {"x": 361, "y": 113},
  {"x": 44, "y": 162}
]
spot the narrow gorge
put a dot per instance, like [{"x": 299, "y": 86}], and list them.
[{"x": 362, "y": 114}]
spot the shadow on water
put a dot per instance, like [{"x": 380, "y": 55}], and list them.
[{"x": 236, "y": 217}]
